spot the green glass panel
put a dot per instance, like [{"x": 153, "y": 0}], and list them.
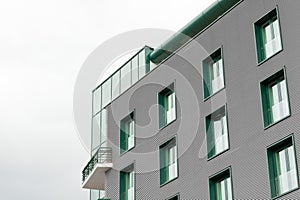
[
  {"x": 267, "y": 35},
  {"x": 213, "y": 75},
  {"x": 220, "y": 186},
  {"x": 283, "y": 171},
  {"x": 162, "y": 112},
  {"x": 123, "y": 186},
  {"x": 275, "y": 101},
  {"x": 168, "y": 161},
  {"x": 123, "y": 138}
]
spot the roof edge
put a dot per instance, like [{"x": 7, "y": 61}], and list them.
[{"x": 198, "y": 24}]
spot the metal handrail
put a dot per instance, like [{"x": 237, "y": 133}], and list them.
[{"x": 102, "y": 155}]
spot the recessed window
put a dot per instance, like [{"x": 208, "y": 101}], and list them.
[
  {"x": 275, "y": 101},
  {"x": 175, "y": 197},
  {"x": 168, "y": 161},
  {"x": 268, "y": 37},
  {"x": 127, "y": 133},
  {"x": 213, "y": 76},
  {"x": 220, "y": 186},
  {"x": 127, "y": 183},
  {"x": 282, "y": 167},
  {"x": 167, "y": 106},
  {"x": 217, "y": 132}
]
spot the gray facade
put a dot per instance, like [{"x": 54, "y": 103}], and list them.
[{"x": 248, "y": 138}]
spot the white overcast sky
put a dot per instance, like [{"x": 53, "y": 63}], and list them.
[{"x": 43, "y": 44}]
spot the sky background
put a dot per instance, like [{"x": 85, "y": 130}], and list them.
[{"x": 43, "y": 44}]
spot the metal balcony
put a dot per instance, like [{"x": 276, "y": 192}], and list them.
[{"x": 93, "y": 175}]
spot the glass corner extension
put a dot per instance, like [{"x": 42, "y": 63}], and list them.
[
  {"x": 167, "y": 105},
  {"x": 217, "y": 132},
  {"x": 168, "y": 161},
  {"x": 213, "y": 75},
  {"x": 275, "y": 101},
  {"x": 283, "y": 171},
  {"x": 127, "y": 75},
  {"x": 268, "y": 35},
  {"x": 220, "y": 186}
]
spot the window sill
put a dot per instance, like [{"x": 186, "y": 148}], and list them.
[
  {"x": 210, "y": 96},
  {"x": 270, "y": 125},
  {"x": 165, "y": 183},
  {"x": 166, "y": 125},
  {"x": 266, "y": 59},
  {"x": 214, "y": 156},
  {"x": 293, "y": 190},
  {"x": 124, "y": 152}
]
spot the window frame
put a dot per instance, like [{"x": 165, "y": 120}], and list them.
[
  {"x": 258, "y": 35},
  {"x": 130, "y": 168},
  {"x": 207, "y": 123},
  {"x": 161, "y": 109},
  {"x": 265, "y": 100},
  {"x": 216, "y": 178},
  {"x": 270, "y": 152},
  {"x": 161, "y": 146},
  {"x": 206, "y": 64},
  {"x": 130, "y": 117}
]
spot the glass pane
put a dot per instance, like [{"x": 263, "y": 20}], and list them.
[
  {"x": 130, "y": 191},
  {"x": 125, "y": 77},
  {"x": 172, "y": 162},
  {"x": 116, "y": 85},
  {"x": 217, "y": 76},
  {"x": 268, "y": 33},
  {"x": 276, "y": 28},
  {"x": 134, "y": 69},
  {"x": 96, "y": 131},
  {"x": 103, "y": 127},
  {"x": 170, "y": 107},
  {"x": 102, "y": 193},
  {"x": 286, "y": 173},
  {"x": 130, "y": 134},
  {"x": 224, "y": 189},
  {"x": 142, "y": 64},
  {"x": 94, "y": 195},
  {"x": 272, "y": 38},
  {"x": 106, "y": 93},
  {"x": 279, "y": 101},
  {"x": 96, "y": 100},
  {"x": 220, "y": 135}
]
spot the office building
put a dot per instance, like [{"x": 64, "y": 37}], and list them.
[{"x": 213, "y": 115}]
